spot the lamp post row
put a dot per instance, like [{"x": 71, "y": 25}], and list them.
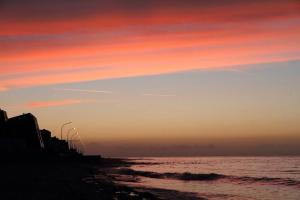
[
  {"x": 79, "y": 139},
  {"x": 61, "y": 129},
  {"x": 69, "y": 131}
]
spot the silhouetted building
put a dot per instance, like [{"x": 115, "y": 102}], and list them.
[
  {"x": 22, "y": 133},
  {"x": 3, "y": 117},
  {"x": 58, "y": 146},
  {"x": 53, "y": 144},
  {"x": 46, "y": 136}
]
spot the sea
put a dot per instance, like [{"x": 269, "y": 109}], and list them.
[{"x": 223, "y": 178}]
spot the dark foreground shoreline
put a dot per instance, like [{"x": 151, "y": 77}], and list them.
[{"x": 75, "y": 181}]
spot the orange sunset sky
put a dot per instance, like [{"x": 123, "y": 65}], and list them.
[{"x": 149, "y": 77}]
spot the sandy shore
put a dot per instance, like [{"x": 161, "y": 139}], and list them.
[
  {"x": 76, "y": 181},
  {"x": 123, "y": 179}
]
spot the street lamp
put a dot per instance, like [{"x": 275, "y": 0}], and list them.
[
  {"x": 79, "y": 139},
  {"x": 69, "y": 131},
  {"x": 81, "y": 144},
  {"x": 71, "y": 139},
  {"x": 61, "y": 129}
]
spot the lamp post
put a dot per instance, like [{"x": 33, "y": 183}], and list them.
[
  {"x": 81, "y": 143},
  {"x": 71, "y": 139},
  {"x": 61, "y": 129},
  {"x": 69, "y": 131},
  {"x": 79, "y": 139}
]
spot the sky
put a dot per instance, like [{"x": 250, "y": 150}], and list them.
[{"x": 157, "y": 78}]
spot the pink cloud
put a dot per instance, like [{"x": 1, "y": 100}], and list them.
[
  {"x": 41, "y": 104},
  {"x": 165, "y": 40},
  {"x": 2, "y": 89}
]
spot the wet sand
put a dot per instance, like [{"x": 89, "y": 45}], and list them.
[{"x": 76, "y": 181}]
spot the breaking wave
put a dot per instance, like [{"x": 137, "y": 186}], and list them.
[
  {"x": 210, "y": 177},
  {"x": 179, "y": 176}
]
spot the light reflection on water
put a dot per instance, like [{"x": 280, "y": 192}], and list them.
[{"x": 271, "y": 167}]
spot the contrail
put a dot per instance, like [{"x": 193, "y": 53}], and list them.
[
  {"x": 89, "y": 91},
  {"x": 159, "y": 95}
]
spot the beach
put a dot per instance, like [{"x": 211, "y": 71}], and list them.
[
  {"x": 59, "y": 181},
  {"x": 74, "y": 180},
  {"x": 197, "y": 178}
]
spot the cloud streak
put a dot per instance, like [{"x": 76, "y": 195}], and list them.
[
  {"x": 44, "y": 104},
  {"x": 80, "y": 90},
  {"x": 82, "y": 41},
  {"x": 2, "y": 89},
  {"x": 159, "y": 95}
]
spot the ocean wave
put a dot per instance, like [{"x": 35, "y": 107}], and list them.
[
  {"x": 211, "y": 177},
  {"x": 292, "y": 171},
  {"x": 179, "y": 176},
  {"x": 265, "y": 180}
]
